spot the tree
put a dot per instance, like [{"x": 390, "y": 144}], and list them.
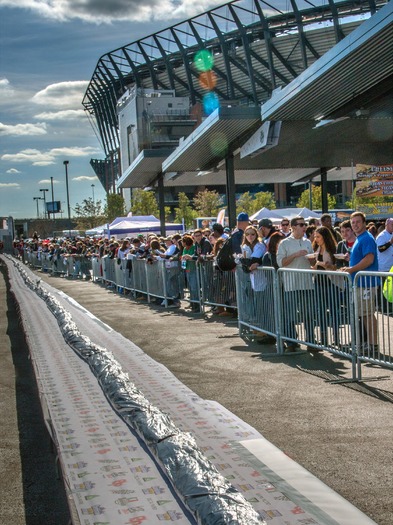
[
  {"x": 304, "y": 199},
  {"x": 245, "y": 203},
  {"x": 264, "y": 199},
  {"x": 184, "y": 211},
  {"x": 207, "y": 203},
  {"x": 115, "y": 206},
  {"x": 144, "y": 203},
  {"x": 89, "y": 214}
]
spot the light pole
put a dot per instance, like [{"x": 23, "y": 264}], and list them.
[
  {"x": 45, "y": 190},
  {"x": 37, "y": 199},
  {"x": 66, "y": 162},
  {"x": 92, "y": 188},
  {"x": 53, "y": 198}
]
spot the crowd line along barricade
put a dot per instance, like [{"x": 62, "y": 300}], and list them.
[{"x": 319, "y": 309}]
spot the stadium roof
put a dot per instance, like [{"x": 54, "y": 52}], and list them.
[{"x": 257, "y": 47}]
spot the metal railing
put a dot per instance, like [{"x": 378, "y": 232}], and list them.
[
  {"x": 218, "y": 288},
  {"x": 63, "y": 264},
  {"x": 374, "y": 330},
  {"x": 317, "y": 309}
]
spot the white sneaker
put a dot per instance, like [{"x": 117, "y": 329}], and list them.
[{"x": 163, "y": 303}]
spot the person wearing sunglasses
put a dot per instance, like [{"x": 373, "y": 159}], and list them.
[
  {"x": 285, "y": 228},
  {"x": 252, "y": 248},
  {"x": 298, "y": 287}
]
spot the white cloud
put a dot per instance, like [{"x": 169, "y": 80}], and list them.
[
  {"x": 10, "y": 185},
  {"x": 39, "y": 158},
  {"x": 21, "y": 130},
  {"x": 48, "y": 181},
  {"x": 13, "y": 171},
  {"x": 67, "y": 114},
  {"x": 62, "y": 96},
  {"x": 5, "y": 88},
  {"x": 85, "y": 177},
  {"x": 102, "y": 11}
]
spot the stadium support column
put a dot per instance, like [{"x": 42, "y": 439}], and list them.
[
  {"x": 325, "y": 205},
  {"x": 161, "y": 203},
  {"x": 231, "y": 193}
]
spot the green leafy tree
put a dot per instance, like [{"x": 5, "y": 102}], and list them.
[
  {"x": 207, "y": 203},
  {"x": 89, "y": 214},
  {"x": 264, "y": 199},
  {"x": 144, "y": 203},
  {"x": 184, "y": 211},
  {"x": 304, "y": 199},
  {"x": 245, "y": 203},
  {"x": 115, "y": 206}
]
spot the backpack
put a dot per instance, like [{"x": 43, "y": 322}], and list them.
[{"x": 225, "y": 258}]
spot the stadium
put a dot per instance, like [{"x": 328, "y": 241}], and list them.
[{"x": 251, "y": 53}]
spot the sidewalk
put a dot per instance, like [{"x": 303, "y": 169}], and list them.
[{"x": 341, "y": 435}]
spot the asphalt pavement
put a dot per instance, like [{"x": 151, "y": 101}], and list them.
[{"x": 339, "y": 432}]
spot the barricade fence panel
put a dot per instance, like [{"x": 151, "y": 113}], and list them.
[
  {"x": 257, "y": 299},
  {"x": 317, "y": 309},
  {"x": 155, "y": 278},
  {"x": 218, "y": 288},
  {"x": 374, "y": 313}
]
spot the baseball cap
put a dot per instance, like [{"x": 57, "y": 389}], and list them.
[
  {"x": 242, "y": 217},
  {"x": 267, "y": 223}
]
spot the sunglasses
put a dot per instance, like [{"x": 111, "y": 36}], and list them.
[
  {"x": 250, "y": 233},
  {"x": 285, "y": 224},
  {"x": 300, "y": 224}
]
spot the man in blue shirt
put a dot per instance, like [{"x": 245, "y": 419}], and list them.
[{"x": 364, "y": 257}]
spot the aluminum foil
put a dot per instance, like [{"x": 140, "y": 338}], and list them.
[{"x": 205, "y": 492}]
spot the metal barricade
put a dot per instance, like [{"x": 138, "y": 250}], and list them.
[
  {"x": 155, "y": 279},
  {"x": 108, "y": 269},
  {"x": 119, "y": 275},
  {"x": 96, "y": 269},
  {"x": 174, "y": 280},
  {"x": 128, "y": 274},
  {"x": 258, "y": 302},
  {"x": 192, "y": 285},
  {"x": 374, "y": 315},
  {"x": 317, "y": 310},
  {"x": 46, "y": 264},
  {"x": 139, "y": 275},
  {"x": 35, "y": 259},
  {"x": 57, "y": 266},
  {"x": 218, "y": 287},
  {"x": 68, "y": 264}
]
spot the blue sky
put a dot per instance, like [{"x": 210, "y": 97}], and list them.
[{"x": 48, "y": 52}]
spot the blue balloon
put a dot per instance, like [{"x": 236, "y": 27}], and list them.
[{"x": 210, "y": 103}]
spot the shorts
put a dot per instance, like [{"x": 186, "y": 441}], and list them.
[{"x": 366, "y": 299}]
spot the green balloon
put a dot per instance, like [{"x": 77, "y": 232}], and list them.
[{"x": 203, "y": 60}]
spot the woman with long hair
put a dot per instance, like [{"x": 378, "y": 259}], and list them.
[
  {"x": 270, "y": 257},
  {"x": 327, "y": 293},
  {"x": 253, "y": 248}
]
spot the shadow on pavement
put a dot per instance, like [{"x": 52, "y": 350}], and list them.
[{"x": 44, "y": 497}]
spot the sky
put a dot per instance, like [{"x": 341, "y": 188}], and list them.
[{"x": 48, "y": 53}]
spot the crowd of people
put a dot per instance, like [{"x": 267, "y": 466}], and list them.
[{"x": 350, "y": 246}]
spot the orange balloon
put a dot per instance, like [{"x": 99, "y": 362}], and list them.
[{"x": 208, "y": 80}]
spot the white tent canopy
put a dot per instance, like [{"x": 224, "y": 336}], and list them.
[
  {"x": 265, "y": 213},
  {"x": 124, "y": 226},
  {"x": 288, "y": 213}
]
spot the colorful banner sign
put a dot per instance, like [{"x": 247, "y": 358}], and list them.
[{"x": 374, "y": 189}]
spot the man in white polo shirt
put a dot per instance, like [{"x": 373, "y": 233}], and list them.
[
  {"x": 298, "y": 287},
  {"x": 385, "y": 247}
]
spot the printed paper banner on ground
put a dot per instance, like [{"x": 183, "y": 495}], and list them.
[{"x": 374, "y": 189}]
